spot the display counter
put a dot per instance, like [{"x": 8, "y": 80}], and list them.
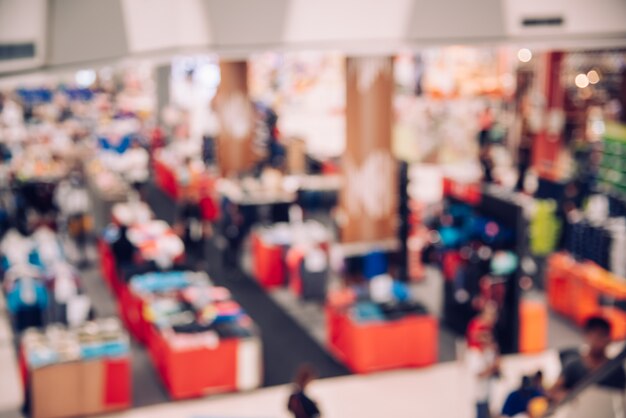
[
  {"x": 579, "y": 290},
  {"x": 200, "y": 184},
  {"x": 200, "y": 341},
  {"x": 379, "y": 343},
  {"x": 91, "y": 362},
  {"x": 270, "y": 250}
]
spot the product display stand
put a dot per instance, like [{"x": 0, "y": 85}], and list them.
[
  {"x": 578, "y": 290},
  {"x": 516, "y": 334},
  {"x": 380, "y": 345}
]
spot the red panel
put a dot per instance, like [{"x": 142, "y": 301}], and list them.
[
  {"x": 117, "y": 388},
  {"x": 269, "y": 267},
  {"x": 194, "y": 372}
]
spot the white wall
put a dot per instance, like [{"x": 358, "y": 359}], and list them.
[{"x": 23, "y": 21}]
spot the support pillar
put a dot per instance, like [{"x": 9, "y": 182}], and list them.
[
  {"x": 549, "y": 134},
  {"x": 369, "y": 195},
  {"x": 236, "y": 115}
]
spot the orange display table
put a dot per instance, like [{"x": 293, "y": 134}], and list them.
[
  {"x": 381, "y": 345},
  {"x": 577, "y": 291}
]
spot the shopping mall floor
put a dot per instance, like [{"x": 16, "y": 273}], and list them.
[{"x": 293, "y": 334}]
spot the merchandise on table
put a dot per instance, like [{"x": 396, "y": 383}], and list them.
[
  {"x": 377, "y": 327},
  {"x": 187, "y": 322},
  {"x": 92, "y": 362},
  {"x": 270, "y": 249},
  {"x": 182, "y": 178}
]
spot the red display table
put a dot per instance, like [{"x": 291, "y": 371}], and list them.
[
  {"x": 201, "y": 184},
  {"x": 374, "y": 346},
  {"x": 232, "y": 365},
  {"x": 268, "y": 263}
]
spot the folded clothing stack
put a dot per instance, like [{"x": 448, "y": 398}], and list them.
[
  {"x": 187, "y": 303},
  {"x": 103, "y": 338}
]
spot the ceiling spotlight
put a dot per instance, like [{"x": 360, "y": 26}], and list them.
[
  {"x": 593, "y": 77},
  {"x": 581, "y": 81},
  {"x": 524, "y": 55}
]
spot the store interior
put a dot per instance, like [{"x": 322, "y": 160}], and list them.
[{"x": 184, "y": 227}]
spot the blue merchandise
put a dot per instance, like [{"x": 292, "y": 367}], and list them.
[
  {"x": 367, "y": 312},
  {"x": 400, "y": 291},
  {"x": 374, "y": 264}
]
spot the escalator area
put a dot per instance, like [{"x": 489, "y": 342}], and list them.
[{"x": 594, "y": 396}]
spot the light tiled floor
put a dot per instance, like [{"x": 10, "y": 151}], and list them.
[{"x": 441, "y": 391}]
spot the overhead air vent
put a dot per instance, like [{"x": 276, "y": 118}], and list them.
[
  {"x": 17, "y": 51},
  {"x": 548, "y": 21}
]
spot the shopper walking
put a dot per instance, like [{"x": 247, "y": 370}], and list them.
[
  {"x": 299, "y": 404},
  {"x": 192, "y": 226},
  {"x": 483, "y": 357}
]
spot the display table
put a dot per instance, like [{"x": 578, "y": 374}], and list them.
[
  {"x": 270, "y": 248},
  {"x": 579, "y": 290},
  {"x": 201, "y": 185},
  {"x": 194, "y": 371},
  {"x": 192, "y": 364},
  {"x": 94, "y": 367},
  {"x": 268, "y": 265},
  {"x": 380, "y": 345}
]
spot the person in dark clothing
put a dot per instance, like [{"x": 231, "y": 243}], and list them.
[
  {"x": 123, "y": 250},
  {"x": 233, "y": 231},
  {"x": 486, "y": 163},
  {"x": 299, "y": 404},
  {"x": 192, "y": 224},
  {"x": 517, "y": 402},
  {"x": 577, "y": 366}
]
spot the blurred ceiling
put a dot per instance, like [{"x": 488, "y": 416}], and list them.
[{"x": 75, "y": 32}]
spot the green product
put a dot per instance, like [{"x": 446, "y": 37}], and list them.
[{"x": 545, "y": 228}]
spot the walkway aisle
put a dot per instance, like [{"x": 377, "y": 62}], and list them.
[
  {"x": 285, "y": 344},
  {"x": 146, "y": 386},
  {"x": 11, "y": 396}
]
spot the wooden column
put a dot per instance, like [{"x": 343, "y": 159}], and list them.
[
  {"x": 368, "y": 198},
  {"x": 236, "y": 116},
  {"x": 549, "y": 137}
]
